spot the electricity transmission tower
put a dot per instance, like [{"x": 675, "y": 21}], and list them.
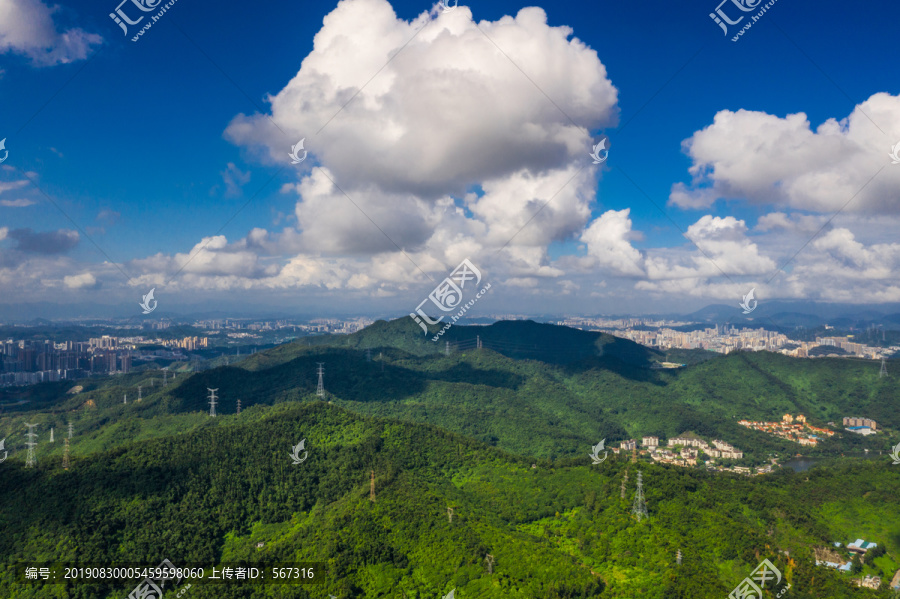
[
  {"x": 125, "y": 400},
  {"x": 372, "y": 488},
  {"x": 320, "y": 390},
  {"x": 624, "y": 482},
  {"x": 70, "y": 430},
  {"x": 490, "y": 563},
  {"x": 212, "y": 401},
  {"x": 883, "y": 372},
  {"x": 640, "y": 507},
  {"x": 238, "y": 406},
  {"x": 31, "y": 444},
  {"x": 678, "y": 557},
  {"x": 51, "y": 435},
  {"x": 139, "y": 393},
  {"x": 368, "y": 355},
  {"x": 450, "y": 514},
  {"x": 66, "y": 455},
  {"x": 447, "y": 349},
  {"x": 477, "y": 341},
  {"x": 165, "y": 377}
]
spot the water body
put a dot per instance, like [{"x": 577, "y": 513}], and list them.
[
  {"x": 804, "y": 464},
  {"x": 801, "y": 464}
]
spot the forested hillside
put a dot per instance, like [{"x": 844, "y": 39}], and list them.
[
  {"x": 500, "y": 440},
  {"x": 212, "y": 495}
]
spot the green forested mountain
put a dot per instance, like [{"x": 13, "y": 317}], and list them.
[{"x": 161, "y": 479}]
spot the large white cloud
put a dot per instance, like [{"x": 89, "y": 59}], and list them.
[
  {"x": 446, "y": 110},
  {"x": 27, "y": 28},
  {"x": 770, "y": 160},
  {"x": 450, "y": 151}
]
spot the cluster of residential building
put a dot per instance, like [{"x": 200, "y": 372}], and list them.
[
  {"x": 188, "y": 343},
  {"x": 861, "y": 426},
  {"x": 792, "y": 428},
  {"x": 27, "y": 362},
  {"x": 858, "y": 547},
  {"x": 721, "y": 339},
  {"x": 685, "y": 451},
  {"x": 860, "y": 350}
]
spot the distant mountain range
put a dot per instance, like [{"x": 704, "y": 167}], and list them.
[
  {"x": 790, "y": 314},
  {"x": 769, "y": 313}
]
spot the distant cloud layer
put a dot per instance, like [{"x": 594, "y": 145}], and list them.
[{"x": 45, "y": 242}]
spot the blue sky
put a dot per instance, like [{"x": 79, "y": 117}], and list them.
[{"x": 137, "y": 159}]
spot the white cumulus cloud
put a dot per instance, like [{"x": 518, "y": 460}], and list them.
[
  {"x": 27, "y": 27},
  {"x": 770, "y": 160}
]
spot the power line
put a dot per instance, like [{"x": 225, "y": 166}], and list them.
[
  {"x": 30, "y": 461},
  {"x": 66, "y": 454},
  {"x": 640, "y": 506},
  {"x": 212, "y": 401}
]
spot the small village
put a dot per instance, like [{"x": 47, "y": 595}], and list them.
[
  {"x": 792, "y": 428},
  {"x": 689, "y": 449},
  {"x": 855, "y": 554}
]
